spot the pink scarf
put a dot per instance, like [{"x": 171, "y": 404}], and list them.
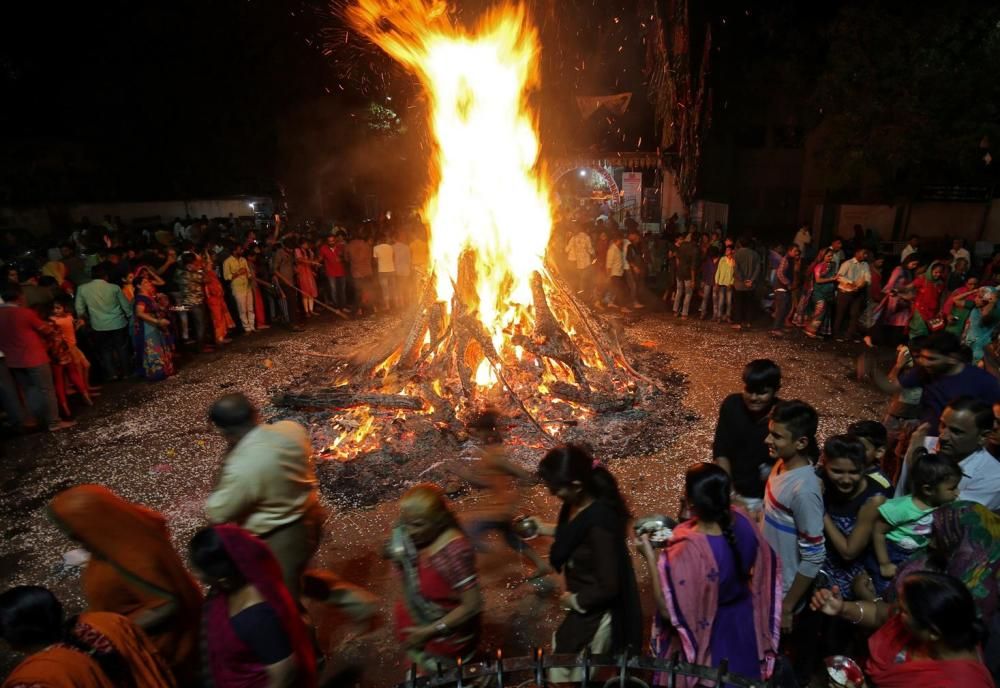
[
  {"x": 230, "y": 661},
  {"x": 689, "y": 558}
]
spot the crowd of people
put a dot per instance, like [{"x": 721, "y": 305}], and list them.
[
  {"x": 110, "y": 305},
  {"x": 789, "y": 550},
  {"x": 844, "y": 291},
  {"x": 881, "y": 543}
]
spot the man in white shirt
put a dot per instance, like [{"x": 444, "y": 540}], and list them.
[
  {"x": 965, "y": 428},
  {"x": 958, "y": 252},
  {"x": 580, "y": 252},
  {"x": 912, "y": 246},
  {"x": 268, "y": 486},
  {"x": 853, "y": 278},
  {"x": 385, "y": 258},
  {"x": 236, "y": 270}
]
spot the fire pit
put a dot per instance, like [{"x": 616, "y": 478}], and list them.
[{"x": 495, "y": 322}]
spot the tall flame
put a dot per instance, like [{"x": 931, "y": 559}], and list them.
[{"x": 490, "y": 196}]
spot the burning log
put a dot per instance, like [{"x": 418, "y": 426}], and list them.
[
  {"x": 599, "y": 403},
  {"x": 415, "y": 339},
  {"x": 344, "y": 398}
]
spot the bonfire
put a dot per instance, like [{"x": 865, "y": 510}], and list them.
[{"x": 495, "y": 324}]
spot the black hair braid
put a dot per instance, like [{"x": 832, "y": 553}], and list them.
[{"x": 726, "y": 523}]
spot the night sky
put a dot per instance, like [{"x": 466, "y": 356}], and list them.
[{"x": 144, "y": 100}]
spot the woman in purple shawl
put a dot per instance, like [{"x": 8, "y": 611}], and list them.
[{"x": 717, "y": 585}]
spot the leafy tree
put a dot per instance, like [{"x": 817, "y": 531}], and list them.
[{"x": 908, "y": 93}]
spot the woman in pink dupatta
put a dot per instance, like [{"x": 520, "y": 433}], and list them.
[
  {"x": 254, "y": 636},
  {"x": 717, "y": 585}
]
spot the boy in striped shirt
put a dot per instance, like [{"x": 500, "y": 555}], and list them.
[{"x": 793, "y": 502}]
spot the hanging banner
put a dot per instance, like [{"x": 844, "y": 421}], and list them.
[
  {"x": 617, "y": 103},
  {"x": 632, "y": 192}
]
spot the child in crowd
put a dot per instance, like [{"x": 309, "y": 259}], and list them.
[
  {"x": 63, "y": 366},
  {"x": 875, "y": 438},
  {"x": 852, "y": 500},
  {"x": 793, "y": 502},
  {"x": 62, "y": 317},
  {"x": 904, "y": 523}
]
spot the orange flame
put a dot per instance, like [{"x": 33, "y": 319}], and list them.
[{"x": 490, "y": 196}]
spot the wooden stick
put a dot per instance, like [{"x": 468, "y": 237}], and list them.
[{"x": 323, "y": 304}]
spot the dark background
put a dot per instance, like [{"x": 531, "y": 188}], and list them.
[{"x": 182, "y": 99}]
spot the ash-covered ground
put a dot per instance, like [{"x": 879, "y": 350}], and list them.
[{"x": 153, "y": 445}]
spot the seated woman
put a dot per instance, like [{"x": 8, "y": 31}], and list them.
[
  {"x": 134, "y": 570},
  {"x": 729, "y": 605},
  {"x": 93, "y": 650},
  {"x": 255, "y": 635},
  {"x": 930, "y": 640},
  {"x": 438, "y": 618},
  {"x": 602, "y": 598}
]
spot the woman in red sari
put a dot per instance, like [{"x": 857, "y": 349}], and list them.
[
  {"x": 259, "y": 310},
  {"x": 932, "y": 640},
  {"x": 254, "y": 635},
  {"x": 437, "y": 621},
  {"x": 215, "y": 300},
  {"x": 93, "y": 650}
]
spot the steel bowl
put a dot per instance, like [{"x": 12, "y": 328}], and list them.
[{"x": 658, "y": 528}]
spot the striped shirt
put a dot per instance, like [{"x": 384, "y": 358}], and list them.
[{"x": 793, "y": 521}]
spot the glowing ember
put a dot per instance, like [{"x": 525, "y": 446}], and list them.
[{"x": 490, "y": 198}]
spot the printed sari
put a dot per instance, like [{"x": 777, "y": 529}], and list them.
[
  {"x": 980, "y": 330},
  {"x": 968, "y": 536},
  {"x": 432, "y": 586},
  {"x": 926, "y": 305},
  {"x": 97, "y": 635},
  {"x": 133, "y": 568},
  {"x": 153, "y": 346},
  {"x": 822, "y": 298},
  {"x": 229, "y": 661}
]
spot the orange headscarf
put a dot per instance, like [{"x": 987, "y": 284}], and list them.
[
  {"x": 63, "y": 667},
  {"x": 133, "y": 567}
]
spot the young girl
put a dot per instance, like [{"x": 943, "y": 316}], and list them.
[
  {"x": 602, "y": 598},
  {"x": 904, "y": 523},
  {"x": 715, "y": 584},
  {"x": 62, "y": 317},
  {"x": 62, "y": 364},
  {"x": 852, "y": 502}
]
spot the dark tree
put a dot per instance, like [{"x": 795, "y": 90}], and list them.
[{"x": 909, "y": 93}]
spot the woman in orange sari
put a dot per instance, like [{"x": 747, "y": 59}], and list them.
[
  {"x": 134, "y": 571},
  {"x": 93, "y": 650},
  {"x": 215, "y": 299}
]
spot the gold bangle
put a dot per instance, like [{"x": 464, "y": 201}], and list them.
[{"x": 861, "y": 614}]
